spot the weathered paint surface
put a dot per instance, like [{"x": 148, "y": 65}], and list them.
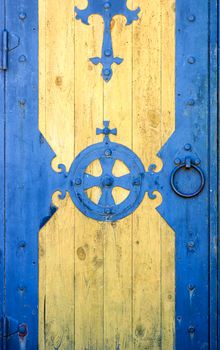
[{"x": 106, "y": 286}]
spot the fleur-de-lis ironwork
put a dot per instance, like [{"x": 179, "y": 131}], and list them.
[{"x": 107, "y": 9}]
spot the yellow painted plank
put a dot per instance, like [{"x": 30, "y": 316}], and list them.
[
  {"x": 153, "y": 295},
  {"x": 167, "y": 127},
  {"x": 56, "y": 122},
  {"x": 147, "y": 141},
  {"x": 88, "y": 235},
  {"x": 106, "y": 284},
  {"x": 118, "y": 236}
]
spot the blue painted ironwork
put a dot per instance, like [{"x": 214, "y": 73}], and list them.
[
  {"x": 107, "y": 9},
  {"x": 29, "y": 182},
  {"x": 9, "y": 41},
  {"x": 137, "y": 181},
  {"x": 79, "y": 181}
]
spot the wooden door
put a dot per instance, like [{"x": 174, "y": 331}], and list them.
[{"x": 147, "y": 280}]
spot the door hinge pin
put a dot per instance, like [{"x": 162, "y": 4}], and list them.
[{"x": 4, "y": 65}]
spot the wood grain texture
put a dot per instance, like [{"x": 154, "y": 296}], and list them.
[
  {"x": 117, "y": 236},
  {"x": 56, "y": 122},
  {"x": 106, "y": 286},
  {"x": 88, "y": 235}
]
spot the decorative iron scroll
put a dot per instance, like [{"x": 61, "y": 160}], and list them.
[
  {"x": 107, "y": 9},
  {"x": 137, "y": 181}
]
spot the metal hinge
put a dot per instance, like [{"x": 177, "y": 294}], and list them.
[
  {"x": 9, "y": 42},
  {"x": 9, "y": 327}
]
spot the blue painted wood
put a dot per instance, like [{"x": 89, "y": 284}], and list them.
[
  {"x": 30, "y": 181},
  {"x": 2, "y": 122},
  {"x": 213, "y": 172},
  {"x": 194, "y": 220}
]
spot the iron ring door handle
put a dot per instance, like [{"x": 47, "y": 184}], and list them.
[{"x": 187, "y": 164}]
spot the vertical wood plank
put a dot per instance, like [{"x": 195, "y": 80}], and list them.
[
  {"x": 152, "y": 114},
  {"x": 118, "y": 278},
  {"x": 167, "y": 128},
  {"x": 88, "y": 235},
  {"x": 56, "y": 122},
  {"x": 117, "y": 244},
  {"x": 147, "y": 244}
]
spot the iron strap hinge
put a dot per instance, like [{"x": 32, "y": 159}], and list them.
[{"x": 9, "y": 41}]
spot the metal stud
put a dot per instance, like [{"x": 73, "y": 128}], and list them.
[
  {"x": 191, "y": 287},
  {"x": 187, "y": 147},
  {"x": 136, "y": 182},
  {"x": 191, "y": 245},
  {"x": 197, "y": 161},
  {"x": 191, "y": 60},
  {"x": 107, "y": 5},
  {"x": 108, "y": 52},
  {"x": 191, "y": 18},
  {"x": 22, "y": 330},
  {"x": 22, "y": 58},
  {"x": 107, "y": 72},
  {"x": 108, "y": 152},
  {"x": 191, "y": 329},
  {"x": 22, "y": 244},
  {"x": 191, "y": 102},
  {"x": 78, "y": 182},
  {"x": 22, "y": 16},
  {"x": 177, "y": 161}
]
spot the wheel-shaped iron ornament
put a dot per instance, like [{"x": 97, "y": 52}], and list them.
[
  {"x": 136, "y": 182},
  {"x": 107, "y": 153}
]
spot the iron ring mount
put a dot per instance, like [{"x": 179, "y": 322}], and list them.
[{"x": 187, "y": 164}]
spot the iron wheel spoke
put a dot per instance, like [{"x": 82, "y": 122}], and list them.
[
  {"x": 123, "y": 182},
  {"x": 107, "y": 164},
  {"x": 90, "y": 181},
  {"x": 107, "y": 198}
]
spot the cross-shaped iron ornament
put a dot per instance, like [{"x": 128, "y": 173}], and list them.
[
  {"x": 107, "y": 9},
  {"x": 106, "y": 131}
]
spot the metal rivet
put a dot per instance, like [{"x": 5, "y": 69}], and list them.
[
  {"x": 22, "y": 58},
  {"x": 191, "y": 245},
  {"x": 22, "y": 103},
  {"x": 107, "y": 72},
  {"x": 191, "y": 18},
  {"x": 177, "y": 161},
  {"x": 107, "y": 181},
  {"x": 191, "y": 102},
  {"x": 136, "y": 182},
  {"x": 22, "y": 15},
  {"x": 187, "y": 147},
  {"x": 108, "y": 211},
  {"x": 191, "y": 287},
  {"x": 191, "y": 60},
  {"x": 107, "y": 5},
  {"x": 191, "y": 329},
  {"x": 108, "y": 152},
  {"x": 22, "y": 244},
  {"x": 108, "y": 52},
  {"x": 197, "y": 161},
  {"x": 78, "y": 182},
  {"x": 22, "y": 330}
]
